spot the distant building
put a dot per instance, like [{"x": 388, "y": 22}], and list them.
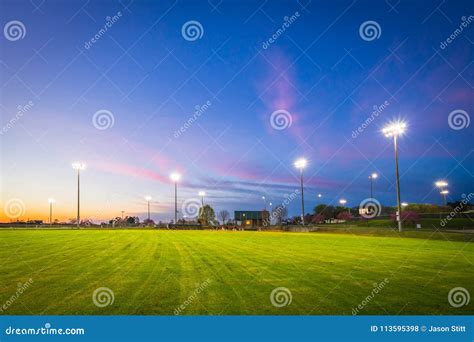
[{"x": 252, "y": 219}]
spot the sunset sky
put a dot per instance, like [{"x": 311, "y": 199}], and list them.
[{"x": 151, "y": 79}]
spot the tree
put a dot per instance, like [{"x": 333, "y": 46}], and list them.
[
  {"x": 206, "y": 215},
  {"x": 344, "y": 215},
  {"x": 149, "y": 222},
  {"x": 223, "y": 215},
  {"x": 328, "y": 211},
  {"x": 279, "y": 213},
  {"x": 318, "y": 218},
  {"x": 409, "y": 217}
]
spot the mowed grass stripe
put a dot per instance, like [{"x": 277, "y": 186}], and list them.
[{"x": 154, "y": 272}]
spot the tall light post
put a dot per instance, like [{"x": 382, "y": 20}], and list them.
[
  {"x": 264, "y": 203},
  {"x": 175, "y": 177},
  {"x": 148, "y": 199},
  {"x": 301, "y": 164},
  {"x": 78, "y": 166},
  {"x": 394, "y": 130},
  {"x": 202, "y": 194},
  {"x": 441, "y": 184},
  {"x": 372, "y": 177},
  {"x": 342, "y": 202},
  {"x": 51, "y": 201},
  {"x": 444, "y": 193}
]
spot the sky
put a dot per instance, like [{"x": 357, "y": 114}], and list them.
[{"x": 229, "y": 94}]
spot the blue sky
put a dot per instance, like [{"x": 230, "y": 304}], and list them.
[{"x": 319, "y": 70}]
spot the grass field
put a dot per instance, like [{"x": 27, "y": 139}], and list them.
[{"x": 155, "y": 272}]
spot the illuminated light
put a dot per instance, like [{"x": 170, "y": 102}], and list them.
[
  {"x": 394, "y": 129},
  {"x": 301, "y": 163},
  {"x": 175, "y": 177},
  {"x": 441, "y": 184},
  {"x": 78, "y": 166}
]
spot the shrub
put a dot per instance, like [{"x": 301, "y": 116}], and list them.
[{"x": 410, "y": 217}]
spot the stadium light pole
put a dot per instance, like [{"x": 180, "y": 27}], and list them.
[
  {"x": 444, "y": 193},
  {"x": 372, "y": 177},
  {"x": 441, "y": 184},
  {"x": 51, "y": 201},
  {"x": 301, "y": 164},
  {"x": 202, "y": 194},
  {"x": 78, "y": 166},
  {"x": 175, "y": 177},
  {"x": 264, "y": 203},
  {"x": 148, "y": 199},
  {"x": 393, "y": 130},
  {"x": 343, "y": 202}
]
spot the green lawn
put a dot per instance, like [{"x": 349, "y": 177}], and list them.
[{"x": 154, "y": 272}]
